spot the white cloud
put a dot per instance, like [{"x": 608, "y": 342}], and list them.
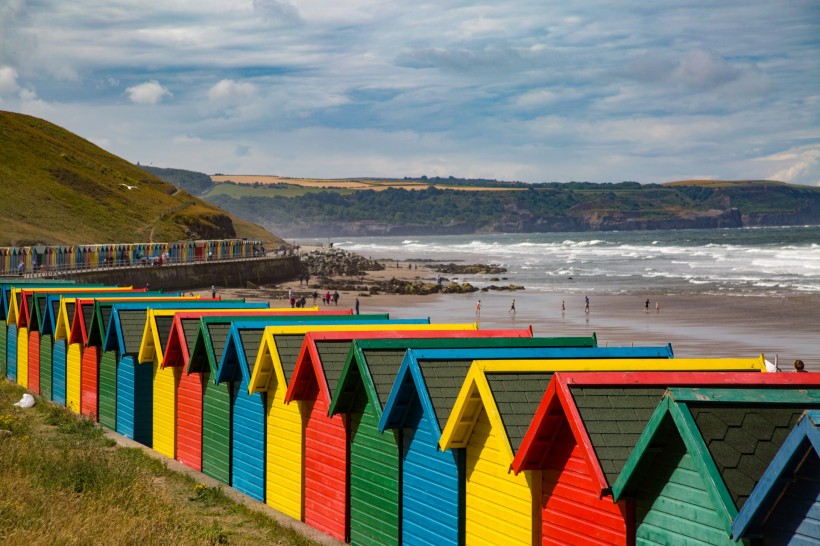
[
  {"x": 150, "y": 92},
  {"x": 229, "y": 89},
  {"x": 279, "y": 12},
  {"x": 8, "y": 80},
  {"x": 799, "y": 164}
]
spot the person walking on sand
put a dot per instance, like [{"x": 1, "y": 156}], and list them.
[
  {"x": 646, "y": 306},
  {"x": 657, "y": 307},
  {"x": 563, "y": 307},
  {"x": 586, "y": 304},
  {"x": 478, "y": 308},
  {"x": 335, "y": 297},
  {"x": 512, "y": 307},
  {"x": 213, "y": 291},
  {"x": 357, "y": 306}
]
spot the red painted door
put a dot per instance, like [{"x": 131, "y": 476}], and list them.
[
  {"x": 34, "y": 362},
  {"x": 89, "y": 373},
  {"x": 189, "y": 420},
  {"x": 571, "y": 510},
  {"x": 326, "y": 472}
]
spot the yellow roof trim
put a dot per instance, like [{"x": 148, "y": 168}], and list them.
[
  {"x": 475, "y": 393},
  {"x": 621, "y": 364},
  {"x": 63, "y": 326},
  {"x": 474, "y": 397},
  {"x": 268, "y": 364}
]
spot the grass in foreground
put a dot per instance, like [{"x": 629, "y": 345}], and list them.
[{"x": 63, "y": 482}]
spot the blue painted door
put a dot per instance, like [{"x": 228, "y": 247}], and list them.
[
  {"x": 248, "y": 442},
  {"x": 11, "y": 353},
  {"x": 134, "y": 400},
  {"x": 58, "y": 371},
  {"x": 430, "y": 485}
]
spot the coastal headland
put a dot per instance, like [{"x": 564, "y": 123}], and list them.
[{"x": 781, "y": 328}]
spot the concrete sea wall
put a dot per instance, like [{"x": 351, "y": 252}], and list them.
[{"x": 224, "y": 274}]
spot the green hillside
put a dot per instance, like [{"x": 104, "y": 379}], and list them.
[
  {"x": 57, "y": 188},
  {"x": 546, "y": 207}
]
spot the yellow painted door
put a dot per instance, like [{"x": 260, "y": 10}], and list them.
[
  {"x": 165, "y": 408},
  {"x": 22, "y": 357},
  {"x": 498, "y": 504},
  {"x": 283, "y": 445},
  {"x": 73, "y": 363}
]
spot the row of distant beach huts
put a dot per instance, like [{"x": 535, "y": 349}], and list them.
[
  {"x": 67, "y": 257},
  {"x": 397, "y": 431}
]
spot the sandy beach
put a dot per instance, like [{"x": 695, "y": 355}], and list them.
[{"x": 783, "y": 329}]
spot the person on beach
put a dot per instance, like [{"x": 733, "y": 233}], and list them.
[
  {"x": 563, "y": 307},
  {"x": 646, "y": 306},
  {"x": 213, "y": 291},
  {"x": 512, "y": 307},
  {"x": 315, "y": 295},
  {"x": 478, "y": 308},
  {"x": 799, "y": 366},
  {"x": 335, "y": 297},
  {"x": 327, "y": 298},
  {"x": 586, "y": 304},
  {"x": 357, "y": 306},
  {"x": 657, "y": 307}
]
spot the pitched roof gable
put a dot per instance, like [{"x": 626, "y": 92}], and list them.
[
  {"x": 802, "y": 447},
  {"x": 723, "y": 443},
  {"x": 476, "y": 393}
]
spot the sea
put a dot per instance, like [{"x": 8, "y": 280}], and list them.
[
  {"x": 747, "y": 261},
  {"x": 718, "y": 292}
]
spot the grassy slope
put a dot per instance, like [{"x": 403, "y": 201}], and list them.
[
  {"x": 58, "y": 188},
  {"x": 63, "y": 482}
]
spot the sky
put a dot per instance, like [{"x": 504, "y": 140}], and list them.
[{"x": 534, "y": 91}]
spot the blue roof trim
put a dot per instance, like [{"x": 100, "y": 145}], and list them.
[
  {"x": 513, "y": 353},
  {"x": 233, "y": 354},
  {"x": 766, "y": 494},
  {"x": 114, "y": 329},
  {"x": 394, "y": 418}
]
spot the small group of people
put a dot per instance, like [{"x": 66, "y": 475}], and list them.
[
  {"x": 329, "y": 298},
  {"x": 646, "y": 306}
]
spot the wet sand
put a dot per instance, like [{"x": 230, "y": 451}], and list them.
[{"x": 697, "y": 326}]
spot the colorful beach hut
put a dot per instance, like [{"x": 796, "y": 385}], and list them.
[
  {"x": 429, "y": 378},
  {"x": 325, "y": 438},
  {"x": 493, "y": 410},
  {"x": 254, "y": 413},
  {"x": 107, "y": 369},
  {"x": 165, "y": 379},
  {"x": 204, "y": 360},
  {"x": 177, "y": 353},
  {"x": 583, "y": 431},
  {"x": 784, "y": 507},
  {"x": 134, "y": 383},
  {"x": 715, "y": 445}
]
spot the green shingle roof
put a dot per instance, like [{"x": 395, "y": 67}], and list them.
[
  {"x": 190, "y": 326},
  {"x": 444, "y": 379},
  {"x": 288, "y": 347},
  {"x": 132, "y": 322},
  {"x": 743, "y": 440},
  {"x": 517, "y": 396},
  {"x": 251, "y": 339},
  {"x": 88, "y": 315},
  {"x": 163, "y": 330},
  {"x": 614, "y": 419},
  {"x": 383, "y": 366},
  {"x": 218, "y": 333},
  {"x": 333, "y": 355}
]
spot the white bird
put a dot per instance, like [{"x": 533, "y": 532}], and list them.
[{"x": 129, "y": 187}]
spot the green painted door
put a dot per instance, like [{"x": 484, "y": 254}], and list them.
[
  {"x": 108, "y": 390},
  {"x": 216, "y": 430},
  {"x": 46, "y": 382},
  {"x": 374, "y": 481}
]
